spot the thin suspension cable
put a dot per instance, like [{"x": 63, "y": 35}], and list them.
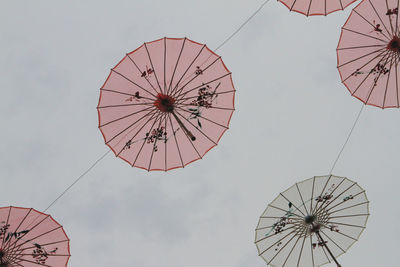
[
  {"x": 105, "y": 154},
  {"x": 347, "y": 139},
  {"x": 241, "y": 26},
  {"x": 78, "y": 179}
]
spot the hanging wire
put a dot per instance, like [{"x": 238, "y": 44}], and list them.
[
  {"x": 105, "y": 154},
  {"x": 347, "y": 139},
  {"x": 78, "y": 179},
  {"x": 241, "y": 26}
]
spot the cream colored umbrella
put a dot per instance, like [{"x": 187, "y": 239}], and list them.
[{"x": 313, "y": 222}]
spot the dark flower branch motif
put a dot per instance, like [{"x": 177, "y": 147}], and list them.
[
  {"x": 3, "y": 230},
  {"x": 156, "y": 134},
  {"x": 146, "y": 74},
  {"x": 41, "y": 255},
  {"x": 136, "y": 97},
  {"x": 205, "y": 99}
]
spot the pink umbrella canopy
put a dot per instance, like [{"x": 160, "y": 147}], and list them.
[
  {"x": 166, "y": 104},
  {"x": 316, "y": 7},
  {"x": 368, "y": 53},
  {"x": 30, "y": 238}
]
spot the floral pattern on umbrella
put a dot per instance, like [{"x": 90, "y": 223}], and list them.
[
  {"x": 313, "y": 222},
  {"x": 30, "y": 238},
  {"x": 166, "y": 104},
  {"x": 369, "y": 52}
]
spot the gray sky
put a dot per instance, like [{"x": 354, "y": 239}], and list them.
[{"x": 292, "y": 116}]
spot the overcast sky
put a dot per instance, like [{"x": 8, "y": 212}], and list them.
[{"x": 292, "y": 116}]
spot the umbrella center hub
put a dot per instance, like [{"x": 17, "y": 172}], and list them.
[
  {"x": 3, "y": 262},
  {"x": 394, "y": 45},
  {"x": 309, "y": 219},
  {"x": 164, "y": 103}
]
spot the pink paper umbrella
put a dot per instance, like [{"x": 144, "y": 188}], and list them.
[
  {"x": 316, "y": 7},
  {"x": 369, "y": 51},
  {"x": 30, "y": 238},
  {"x": 166, "y": 104}
]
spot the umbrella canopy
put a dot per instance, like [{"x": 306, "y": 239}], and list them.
[
  {"x": 30, "y": 238},
  {"x": 316, "y": 7},
  {"x": 312, "y": 222},
  {"x": 368, "y": 53},
  {"x": 166, "y": 104}
]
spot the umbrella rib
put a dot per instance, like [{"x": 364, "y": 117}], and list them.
[
  {"x": 397, "y": 87},
  {"x": 312, "y": 251},
  {"x": 200, "y": 116},
  {"x": 176, "y": 142},
  {"x": 308, "y": 10},
  {"x": 155, "y": 143},
  {"x": 360, "y": 46},
  {"x": 291, "y": 8},
  {"x": 301, "y": 250},
  {"x": 165, "y": 64},
  {"x": 346, "y": 224},
  {"x": 339, "y": 196},
  {"x": 177, "y": 84},
  {"x": 326, "y": 255},
  {"x": 130, "y": 140},
  {"x": 363, "y": 34},
  {"x": 292, "y": 204},
  {"x": 129, "y": 80},
  {"x": 380, "y": 51},
  {"x": 333, "y": 241},
  {"x": 276, "y": 242},
  {"x": 373, "y": 7},
  {"x": 124, "y": 117},
  {"x": 222, "y": 108},
  {"x": 176, "y": 65},
  {"x": 179, "y": 91},
  {"x": 126, "y": 105},
  {"x": 140, "y": 71},
  {"x": 31, "y": 239},
  {"x": 19, "y": 260},
  {"x": 8, "y": 244},
  {"x": 397, "y": 18},
  {"x": 333, "y": 191},
  {"x": 196, "y": 128},
  {"x": 165, "y": 145},
  {"x": 387, "y": 82},
  {"x": 285, "y": 211},
  {"x": 154, "y": 70},
  {"x": 196, "y": 96},
  {"x": 372, "y": 25},
  {"x": 302, "y": 200},
  {"x": 312, "y": 194},
  {"x": 179, "y": 97},
  {"x": 348, "y": 216},
  {"x": 8, "y": 217},
  {"x": 147, "y": 114},
  {"x": 283, "y": 247},
  {"x": 390, "y": 20},
  {"x": 341, "y": 233},
  {"x": 122, "y": 93},
  {"x": 361, "y": 192},
  {"x": 382, "y": 54},
  {"x": 376, "y": 78},
  {"x": 290, "y": 253},
  {"x": 341, "y": 4},
  {"x": 359, "y": 204},
  {"x": 145, "y": 139},
  {"x": 43, "y": 245},
  {"x": 266, "y": 237},
  {"x": 316, "y": 205}
]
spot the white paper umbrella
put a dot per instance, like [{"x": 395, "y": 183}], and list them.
[{"x": 313, "y": 222}]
